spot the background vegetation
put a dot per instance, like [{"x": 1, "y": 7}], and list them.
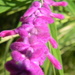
[{"x": 61, "y": 30}]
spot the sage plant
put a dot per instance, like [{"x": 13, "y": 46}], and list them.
[{"x": 30, "y": 51}]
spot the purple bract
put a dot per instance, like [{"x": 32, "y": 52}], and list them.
[{"x": 30, "y": 51}]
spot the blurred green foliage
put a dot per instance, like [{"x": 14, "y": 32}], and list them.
[{"x": 10, "y": 13}]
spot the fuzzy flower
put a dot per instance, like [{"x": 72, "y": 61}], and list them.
[
  {"x": 30, "y": 51},
  {"x": 53, "y": 3},
  {"x": 26, "y": 68},
  {"x": 7, "y": 33},
  {"x": 36, "y": 49}
]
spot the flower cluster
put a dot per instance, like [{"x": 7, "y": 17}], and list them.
[{"x": 30, "y": 51}]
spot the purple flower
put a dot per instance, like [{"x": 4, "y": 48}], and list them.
[
  {"x": 26, "y": 68},
  {"x": 59, "y": 16},
  {"x": 36, "y": 49},
  {"x": 54, "y": 61},
  {"x": 41, "y": 50},
  {"x": 30, "y": 50},
  {"x": 63, "y": 3},
  {"x": 35, "y": 5},
  {"x": 43, "y": 33},
  {"x": 23, "y": 30},
  {"x": 17, "y": 56},
  {"x": 7, "y": 33},
  {"x": 20, "y": 46},
  {"x": 53, "y": 3}
]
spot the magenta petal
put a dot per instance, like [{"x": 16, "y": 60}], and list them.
[
  {"x": 38, "y": 21},
  {"x": 38, "y": 51},
  {"x": 35, "y": 5},
  {"x": 53, "y": 42},
  {"x": 54, "y": 61},
  {"x": 17, "y": 56},
  {"x": 11, "y": 66},
  {"x": 16, "y": 69},
  {"x": 22, "y": 32},
  {"x": 36, "y": 69},
  {"x": 45, "y": 11},
  {"x": 27, "y": 27},
  {"x": 48, "y": 1},
  {"x": 7, "y": 33},
  {"x": 33, "y": 68},
  {"x": 33, "y": 41},
  {"x": 53, "y": 3},
  {"x": 44, "y": 37},
  {"x": 36, "y": 59},
  {"x": 43, "y": 33},
  {"x": 47, "y": 19},
  {"x": 59, "y": 16},
  {"x": 27, "y": 19},
  {"x": 41, "y": 20},
  {"x": 19, "y": 46},
  {"x": 62, "y": 3},
  {"x": 46, "y": 6},
  {"x": 30, "y": 11}
]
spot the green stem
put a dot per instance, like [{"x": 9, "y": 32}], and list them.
[
  {"x": 6, "y": 52},
  {"x": 56, "y": 52}
]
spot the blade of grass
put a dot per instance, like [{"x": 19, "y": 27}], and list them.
[
  {"x": 71, "y": 6},
  {"x": 56, "y": 52},
  {"x": 51, "y": 69},
  {"x": 6, "y": 52}
]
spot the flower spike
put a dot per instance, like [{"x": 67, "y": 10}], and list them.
[{"x": 30, "y": 51}]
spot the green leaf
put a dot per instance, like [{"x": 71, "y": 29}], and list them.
[
  {"x": 71, "y": 6},
  {"x": 6, "y": 5},
  {"x": 3, "y": 9},
  {"x": 56, "y": 52}
]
